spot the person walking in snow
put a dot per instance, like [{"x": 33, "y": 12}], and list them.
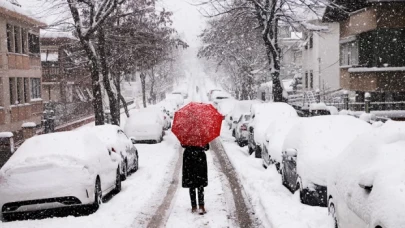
[{"x": 195, "y": 175}]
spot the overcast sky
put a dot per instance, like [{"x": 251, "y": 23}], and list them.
[{"x": 186, "y": 18}]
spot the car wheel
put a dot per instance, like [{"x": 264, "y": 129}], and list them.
[
  {"x": 124, "y": 174},
  {"x": 332, "y": 212},
  {"x": 136, "y": 162},
  {"x": 98, "y": 196},
  {"x": 118, "y": 182}
]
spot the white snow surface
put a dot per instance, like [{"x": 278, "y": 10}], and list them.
[
  {"x": 132, "y": 206},
  {"x": 29, "y": 124},
  {"x": 376, "y": 159},
  {"x": 265, "y": 114},
  {"x": 6, "y": 134},
  {"x": 318, "y": 141},
  {"x": 276, "y": 134}
]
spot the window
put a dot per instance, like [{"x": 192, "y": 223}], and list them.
[
  {"x": 306, "y": 80},
  {"x": 17, "y": 39},
  {"x": 10, "y": 38},
  {"x": 26, "y": 90},
  {"x": 24, "y": 41},
  {"x": 35, "y": 88},
  {"x": 12, "y": 91},
  {"x": 311, "y": 41},
  {"x": 33, "y": 43},
  {"x": 349, "y": 54},
  {"x": 311, "y": 79},
  {"x": 20, "y": 91}
]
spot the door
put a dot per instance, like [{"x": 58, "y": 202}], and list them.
[
  {"x": 129, "y": 148},
  {"x": 109, "y": 162}
]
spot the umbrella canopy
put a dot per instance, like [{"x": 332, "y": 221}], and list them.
[{"x": 197, "y": 124}]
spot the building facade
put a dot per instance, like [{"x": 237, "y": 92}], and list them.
[
  {"x": 20, "y": 69},
  {"x": 320, "y": 58},
  {"x": 66, "y": 79},
  {"x": 372, "y": 48}
]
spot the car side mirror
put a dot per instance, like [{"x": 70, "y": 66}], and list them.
[{"x": 133, "y": 140}]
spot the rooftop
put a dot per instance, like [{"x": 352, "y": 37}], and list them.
[{"x": 10, "y": 10}]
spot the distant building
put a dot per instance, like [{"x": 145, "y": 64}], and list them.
[
  {"x": 290, "y": 52},
  {"x": 20, "y": 69},
  {"x": 66, "y": 78},
  {"x": 320, "y": 57},
  {"x": 372, "y": 47}
]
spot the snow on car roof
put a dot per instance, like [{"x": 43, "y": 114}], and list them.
[
  {"x": 107, "y": 133},
  {"x": 318, "y": 141},
  {"x": 376, "y": 158},
  {"x": 75, "y": 146},
  {"x": 243, "y": 107}
]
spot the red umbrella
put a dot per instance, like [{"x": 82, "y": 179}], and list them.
[{"x": 197, "y": 124}]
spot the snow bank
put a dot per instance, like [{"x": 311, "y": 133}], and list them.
[
  {"x": 318, "y": 106},
  {"x": 376, "y": 159},
  {"x": 318, "y": 141}
]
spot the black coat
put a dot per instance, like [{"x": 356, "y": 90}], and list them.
[{"x": 195, "y": 171}]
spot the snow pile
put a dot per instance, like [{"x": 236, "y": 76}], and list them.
[
  {"x": 318, "y": 106},
  {"x": 71, "y": 147},
  {"x": 374, "y": 159},
  {"x": 266, "y": 113},
  {"x": 368, "y": 117},
  {"x": 333, "y": 110},
  {"x": 108, "y": 134},
  {"x": 319, "y": 140},
  {"x": 6, "y": 134},
  {"x": 275, "y": 136},
  {"x": 28, "y": 124}
]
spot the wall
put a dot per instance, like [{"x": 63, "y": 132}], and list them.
[{"x": 362, "y": 21}]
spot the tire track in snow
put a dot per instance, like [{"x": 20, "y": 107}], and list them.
[{"x": 244, "y": 213}]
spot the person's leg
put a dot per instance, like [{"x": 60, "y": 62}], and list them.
[
  {"x": 193, "y": 197},
  {"x": 201, "y": 196},
  {"x": 201, "y": 209}
]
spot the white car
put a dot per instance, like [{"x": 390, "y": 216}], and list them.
[
  {"x": 177, "y": 98},
  {"x": 58, "y": 170},
  {"x": 240, "y": 131},
  {"x": 366, "y": 187},
  {"x": 239, "y": 108},
  {"x": 310, "y": 149},
  {"x": 165, "y": 119},
  {"x": 144, "y": 127},
  {"x": 275, "y": 136},
  {"x": 219, "y": 96},
  {"x": 210, "y": 92},
  {"x": 118, "y": 142},
  {"x": 168, "y": 107},
  {"x": 262, "y": 116}
]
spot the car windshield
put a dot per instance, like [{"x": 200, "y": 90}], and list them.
[{"x": 202, "y": 113}]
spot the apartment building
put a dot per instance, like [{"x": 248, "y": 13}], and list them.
[
  {"x": 372, "y": 47},
  {"x": 20, "y": 69}
]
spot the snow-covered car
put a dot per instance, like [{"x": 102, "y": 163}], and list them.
[
  {"x": 309, "y": 150},
  {"x": 165, "y": 119},
  {"x": 240, "y": 132},
  {"x": 118, "y": 142},
  {"x": 366, "y": 186},
  {"x": 58, "y": 170},
  {"x": 210, "y": 93},
  {"x": 240, "y": 108},
  {"x": 262, "y": 116},
  {"x": 177, "y": 98},
  {"x": 182, "y": 93},
  {"x": 144, "y": 127},
  {"x": 219, "y": 96},
  {"x": 168, "y": 107},
  {"x": 275, "y": 136}
]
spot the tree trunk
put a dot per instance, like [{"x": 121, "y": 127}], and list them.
[
  {"x": 115, "y": 112},
  {"x": 95, "y": 83},
  {"x": 152, "y": 90},
  {"x": 124, "y": 103},
  {"x": 143, "y": 82}
]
